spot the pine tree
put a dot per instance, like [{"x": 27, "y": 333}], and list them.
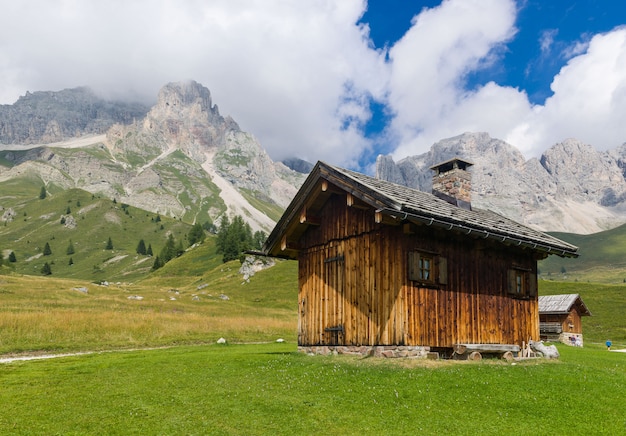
[
  {"x": 109, "y": 245},
  {"x": 234, "y": 238},
  {"x": 12, "y": 257},
  {"x": 141, "y": 247},
  {"x": 42, "y": 193},
  {"x": 158, "y": 263},
  {"x": 168, "y": 252},
  {"x": 259, "y": 239},
  {"x": 70, "y": 262},
  {"x": 196, "y": 234},
  {"x": 222, "y": 232},
  {"x": 46, "y": 270},
  {"x": 47, "y": 251},
  {"x": 70, "y": 248},
  {"x": 149, "y": 250},
  {"x": 68, "y": 211}
]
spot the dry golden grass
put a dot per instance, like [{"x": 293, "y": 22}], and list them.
[{"x": 49, "y": 314}]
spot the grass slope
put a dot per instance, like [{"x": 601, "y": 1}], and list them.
[
  {"x": 602, "y": 258},
  {"x": 89, "y": 222}
]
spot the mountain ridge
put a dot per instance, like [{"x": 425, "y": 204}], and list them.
[
  {"x": 571, "y": 188},
  {"x": 160, "y": 163},
  {"x": 182, "y": 158}
]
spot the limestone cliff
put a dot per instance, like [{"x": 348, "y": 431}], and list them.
[
  {"x": 572, "y": 187},
  {"x": 182, "y": 159},
  {"x": 45, "y": 117}
]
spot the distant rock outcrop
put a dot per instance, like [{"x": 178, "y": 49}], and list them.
[
  {"x": 572, "y": 187},
  {"x": 46, "y": 117},
  {"x": 298, "y": 165}
]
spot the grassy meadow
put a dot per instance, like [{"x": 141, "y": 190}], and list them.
[
  {"x": 153, "y": 366},
  {"x": 178, "y": 305},
  {"x": 271, "y": 389}
]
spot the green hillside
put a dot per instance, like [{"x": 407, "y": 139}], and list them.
[
  {"x": 602, "y": 258},
  {"x": 77, "y": 225}
]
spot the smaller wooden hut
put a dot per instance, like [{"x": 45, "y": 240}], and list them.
[{"x": 560, "y": 318}]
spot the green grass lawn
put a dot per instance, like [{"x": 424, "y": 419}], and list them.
[
  {"x": 198, "y": 387},
  {"x": 272, "y": 389}
]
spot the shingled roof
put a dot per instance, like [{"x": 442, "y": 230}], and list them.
[
  {"x": 561, "y": 304},
  {"x": 420, "y": 207}
]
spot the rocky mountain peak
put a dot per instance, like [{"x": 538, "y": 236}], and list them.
[
  {"x": 181, "y": 158},
  {"x": 181, "y": 99},
  {"x": 572, "y": 187}
]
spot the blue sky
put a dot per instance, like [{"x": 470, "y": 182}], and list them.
[{"x": 343, "y": 80}]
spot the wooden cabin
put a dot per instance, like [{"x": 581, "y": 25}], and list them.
[
  {"x": 388, "y": 269},
  {"x": 560, "y": 318}
]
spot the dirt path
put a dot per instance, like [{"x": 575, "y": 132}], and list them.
[
  {"x": 27, "y": 357},
  {"x": 43, "y": 356}
]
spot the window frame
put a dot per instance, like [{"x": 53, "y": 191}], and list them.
[
  {"x": 437, "y": 268},
  {"x": 522, "y": 283}
]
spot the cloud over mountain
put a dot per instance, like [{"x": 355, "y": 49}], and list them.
[{"x": 303, "y": 76}]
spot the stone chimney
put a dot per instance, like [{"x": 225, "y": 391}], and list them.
[{"x": 452, "y": 182}]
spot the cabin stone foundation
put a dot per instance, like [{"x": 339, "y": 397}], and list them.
[
  {"x": 391, "y": 351},
  {"x": 573, "y": 339}
]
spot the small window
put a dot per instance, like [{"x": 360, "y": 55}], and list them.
[
  {"x": 424, "y": 268},
  {"x": 427, "y": 268},
  {"x": 522, "y": 283}
]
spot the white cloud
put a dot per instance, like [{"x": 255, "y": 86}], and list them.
[
  {"x": 427, "y": 89},
  {"x": 546, "y": 40},
  {"x": 589, "y": 101},
  {"x": 299, "y": 75},
  {"x": 431, "y": 102},
  {"x": 286, "y": 71}
]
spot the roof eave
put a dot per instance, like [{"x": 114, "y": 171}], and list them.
[{"x": 486, "y": 234}]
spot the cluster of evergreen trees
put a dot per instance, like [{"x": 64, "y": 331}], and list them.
[
  {"x": 233, "y": 239},
  {"x": 172, "y": 249},
  {"x": 236, "y": 237}
]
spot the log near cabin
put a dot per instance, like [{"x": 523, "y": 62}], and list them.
[
  {"x": 386, "y": 269},
  {"x": 560, "y": 318}
]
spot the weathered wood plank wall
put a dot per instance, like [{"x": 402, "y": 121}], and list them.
[
  {"x": 354, "y": 286},
  {"x": 572, "y": 318}
]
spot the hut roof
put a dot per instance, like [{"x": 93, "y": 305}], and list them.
[
  {"x": 561, "y": 304},
  {"x": 403, "y": 203}
]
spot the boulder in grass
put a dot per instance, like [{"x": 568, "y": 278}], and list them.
[
  {"x": 547, "y": 351},
  {"x": 221, "y": 341}
]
